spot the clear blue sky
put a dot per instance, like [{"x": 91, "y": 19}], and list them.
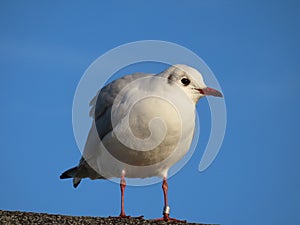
[{"x": 252, "y": 47}]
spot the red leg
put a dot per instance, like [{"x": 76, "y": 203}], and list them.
[
  {"x": 166, "y": 212},
  {"x": 122, "y": 186}
]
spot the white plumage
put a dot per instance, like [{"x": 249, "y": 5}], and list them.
[{"x": 142, "y": 125}]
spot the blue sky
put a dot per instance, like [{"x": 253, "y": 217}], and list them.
[{"x": 253, "y": 49}]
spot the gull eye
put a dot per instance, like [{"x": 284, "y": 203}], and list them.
[{"x": 185, "y": 81}]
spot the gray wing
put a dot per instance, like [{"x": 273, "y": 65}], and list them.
[
  {"x": 100, "y": 111},
  {"x": 101, "y": 104}
]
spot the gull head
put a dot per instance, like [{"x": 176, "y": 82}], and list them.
[{"x": 190, "y": 81}]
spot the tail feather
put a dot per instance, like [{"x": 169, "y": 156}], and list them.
[
  {"x": 76, "y": 181},
  {"x": 69, "y": 173}
]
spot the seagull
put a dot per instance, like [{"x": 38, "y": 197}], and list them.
[{"x": 143, "y": 124}]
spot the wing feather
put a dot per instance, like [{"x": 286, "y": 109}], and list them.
[{"x": 100, "y": 111}]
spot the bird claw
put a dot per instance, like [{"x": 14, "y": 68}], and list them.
[
  {"x": 167, "y": 218},
  {"x": 124, "y": 216},
  {"x": 138, "y": 217},
  {"x": 127, "y": 217}
]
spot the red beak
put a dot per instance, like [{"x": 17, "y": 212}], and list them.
[{"x": 210, "y": 91}]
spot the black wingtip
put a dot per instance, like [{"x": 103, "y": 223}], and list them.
[
  {"x": 69, "y": 173},
  {"x": 76, "y": 184},
  {"x": 64, "y": 175}
]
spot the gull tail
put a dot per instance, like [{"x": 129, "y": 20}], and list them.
[{"x": 71, "y": 173}]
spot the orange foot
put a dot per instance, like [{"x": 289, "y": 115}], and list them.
[
  {"x": 123, "y": 215},
  {"x": 127, "y": 217},
  {"x": 167, "y": 218}
]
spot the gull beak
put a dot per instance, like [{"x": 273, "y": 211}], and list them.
[{"x": 210, "y": 91}]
